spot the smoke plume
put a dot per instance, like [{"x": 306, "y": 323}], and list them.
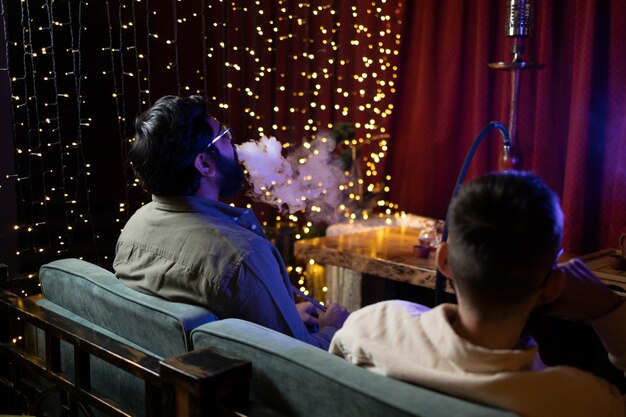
[{"x": 308, "y": 179}]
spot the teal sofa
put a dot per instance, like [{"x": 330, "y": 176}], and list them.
[
  {"x": 288, "y": 376},
  {"x": 296, "y": 379}
]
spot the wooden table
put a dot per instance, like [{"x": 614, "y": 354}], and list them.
[
  {"x": 598, "y": 262},
  {"x": 386, "y": 253}
]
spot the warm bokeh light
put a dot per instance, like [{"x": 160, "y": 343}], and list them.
[{"x": 287, "y": 69}]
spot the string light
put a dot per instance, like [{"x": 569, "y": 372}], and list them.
[
  {"x": 45, "y": 71},
  {"x": 274, "y": 67}
]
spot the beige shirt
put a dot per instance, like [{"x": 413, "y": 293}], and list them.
[{"x": 410, "y": 342}]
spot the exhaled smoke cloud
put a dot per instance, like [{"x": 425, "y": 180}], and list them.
[{"x": 308, "y": 179}]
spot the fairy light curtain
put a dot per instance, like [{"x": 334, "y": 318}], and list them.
[
  {"x": 42, "y": 51},
  {"x": 79, "y": 73}
]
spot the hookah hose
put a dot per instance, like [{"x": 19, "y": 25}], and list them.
[{"x": 440, "y": 280}]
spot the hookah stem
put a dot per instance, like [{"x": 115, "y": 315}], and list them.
[{"x": 515, "y": 84}]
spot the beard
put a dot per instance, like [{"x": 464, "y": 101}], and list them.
[{"x": 231, "y": 176}]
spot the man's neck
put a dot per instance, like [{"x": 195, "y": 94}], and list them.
[
  {"x": 502, "y": 332},
  {"x": 207, "y": 191}
]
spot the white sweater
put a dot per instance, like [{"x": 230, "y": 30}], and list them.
[{"x": 410, "y": 342}]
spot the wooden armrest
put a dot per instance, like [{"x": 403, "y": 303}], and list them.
[{"x": 205, "y": 382}]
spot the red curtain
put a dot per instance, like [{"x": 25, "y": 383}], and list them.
[{"x": 572, "y": 115}]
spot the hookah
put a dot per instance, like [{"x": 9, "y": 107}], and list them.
[{"x": 519, "y": 25}]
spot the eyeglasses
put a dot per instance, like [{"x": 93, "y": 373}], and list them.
[{"x": 225, "y": 132}]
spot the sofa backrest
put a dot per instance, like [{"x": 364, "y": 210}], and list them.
[
  {"x": 158, "y": 326},
  {"x": 294, "y": 378}
]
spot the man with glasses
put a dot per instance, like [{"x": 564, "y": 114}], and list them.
[
  {"x": 187, "y": 246},
  {"x": 505, "y": 238}
]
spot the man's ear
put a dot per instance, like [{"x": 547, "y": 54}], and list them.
[
  {"x": 205, "y": 165},
  {"x": 553, "y": 287},
  {"x": 442, "y": 260}
]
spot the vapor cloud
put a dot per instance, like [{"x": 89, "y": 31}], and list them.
[{"x": 308, "y": 179}]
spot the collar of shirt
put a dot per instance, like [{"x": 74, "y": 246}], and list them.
[{"x": 224, "y": 212}]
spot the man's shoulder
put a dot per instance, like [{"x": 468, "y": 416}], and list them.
[
  {"x": 185, "y": 231},
  {"x": 370, "y": 331},
  {"x": 392, "y": 314},
  {"x": 392, "y": 308}
]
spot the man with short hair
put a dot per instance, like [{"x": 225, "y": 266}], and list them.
[
  {"x": 187, "y": 246},
  {"x": 504, "y": 241}
]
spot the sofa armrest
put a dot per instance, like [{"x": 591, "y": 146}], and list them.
[
  {"x": 86, "y": 343},
  {"x": 184, "y": 385},
  {"x": 203, "y": 381}
]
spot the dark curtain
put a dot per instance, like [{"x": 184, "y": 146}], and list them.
[{"x": 572, "y": 118}]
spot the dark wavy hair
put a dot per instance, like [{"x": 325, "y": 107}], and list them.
[
  {"x": 168, "y": 137},
  {"x": 505, "y": 233}
]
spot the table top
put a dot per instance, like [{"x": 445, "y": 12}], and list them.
[
  {"x": 599, "y": 263},
  {"x": 385, "y": 252},
  {"x": 388, "y": 253}
]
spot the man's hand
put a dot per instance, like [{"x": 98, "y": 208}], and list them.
[
  {"x": 584, "y": 297},
  {"x": 334, "y": 316},
  {"x": 308, "y": 313}
]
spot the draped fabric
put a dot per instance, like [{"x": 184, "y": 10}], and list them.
[{"x": 572, "y": 114}]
